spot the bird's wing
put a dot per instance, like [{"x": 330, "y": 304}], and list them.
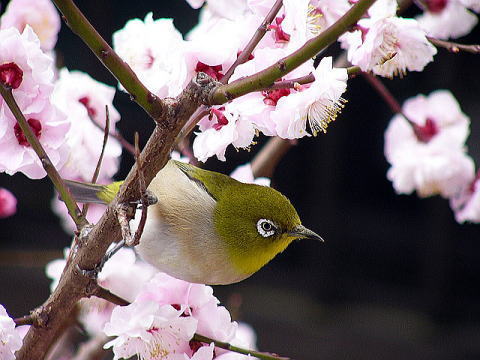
[{"x": 212, "y": 182}]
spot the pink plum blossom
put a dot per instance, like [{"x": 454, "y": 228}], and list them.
[
  {"x": 8, "y": 203},
  {"x": 40, "y": 15},
  {"x": 29, "y": 72},
  {"x": 450, "y": 21},
  {"x": 36, "y": 68},
  {"x": 429, "y": 155},
  {"x": 388, "y": 45},
  {"x": 197, "y": 300},
  {"x": 244, "y": 174},
  {"x": 84, "y": 100},
  {"x": 149, "y": 330},
  {"x": 16, "y": 155},
  {"x": 122, "y": 274},
  {"x": 10, "y": 340},
  {"x": 154, "y": 49}
]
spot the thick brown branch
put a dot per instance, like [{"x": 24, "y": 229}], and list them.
[{"x": 72, "y": 285}]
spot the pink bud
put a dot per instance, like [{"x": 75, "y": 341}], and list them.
[{"x": 8, "y": 203}]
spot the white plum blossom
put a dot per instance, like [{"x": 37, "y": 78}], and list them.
[
  {"x": 428, "y": 155},
  {"x": 223, "y": 127},
  {"x": 8, "y": 203},
  {"x": 10, "y": 340},
  {"x": 317, "y": 104},
  {"x": 154, "y": 49},
  {"x": 466, "y": 204},
  {"x": 149, "y": 330},
  {"x": 388, "y": 45},
  {"x": 84, "y": 100},
  {"x": 40, "y": 15},
  {"x": 244, "y": 173},
  {"x": 449, "y": 19},
  {"x": 245, "y": 337}
]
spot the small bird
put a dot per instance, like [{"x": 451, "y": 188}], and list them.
[{"x": 207, "y": 227}]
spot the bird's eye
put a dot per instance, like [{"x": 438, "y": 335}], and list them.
[{"x": 266, "y": 227}]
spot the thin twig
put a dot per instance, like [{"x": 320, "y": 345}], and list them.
[
  {"x": 185, "y": 149},
  {"x": 191, "y": 123},
  {"x": 383, "y": 92},
  {"x": 455, "y": 47},
  {"x": 388, "y": 97},
  {"x": 267, "y": 159},
  {"x": 256, "y": 38},
  {"x": 265, "y": 78},
  {"x": 106, "y": 131},
  {"x": 237, "y": 349},
  {"x": 116, "y": 135},
  {"x": 79, "y": 24},
  {"x": 143, "y": 198},
  {"x": 123, "y": 217},
  {"x": 105, "y": 294},
  {"x": 92, "y": 349},
  {"x": 47, "y": 164},
  {"x": 24, "y": 320}
]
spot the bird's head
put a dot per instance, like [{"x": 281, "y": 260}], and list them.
[{"x": 256, "y": 223}]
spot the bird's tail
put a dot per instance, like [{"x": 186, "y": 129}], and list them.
[{"x": 93, "y": 193}]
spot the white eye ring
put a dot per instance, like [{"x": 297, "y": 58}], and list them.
[{"x": 266, "y": 227}]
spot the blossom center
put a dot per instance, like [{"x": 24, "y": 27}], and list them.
[
  {"x": 85, "y": 101},
  {"x": 214, "y": 71},
  {"x": 36, "y": 127},
  {"x": 11, "y": 75},
  {"x": 280, "y": 35},
  {"x": 271, "y": 97},
  {"x": 436, "y": 6},
  {"x": 221, "y": 118},
  {"x": 426, "y": 132}
]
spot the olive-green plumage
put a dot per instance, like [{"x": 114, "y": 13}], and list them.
[{"x": 208, "y": 227}]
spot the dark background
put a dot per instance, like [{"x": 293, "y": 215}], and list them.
[{"x": 397, "y": 277}]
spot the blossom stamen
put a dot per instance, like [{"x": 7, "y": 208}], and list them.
[
  {"x": 11, "y": 75},
  {"x": 322, "y": 112}
]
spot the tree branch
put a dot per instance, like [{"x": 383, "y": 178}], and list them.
[
  {"x": 52, "y": 172},
  {"x": 120, "y": 69},
  {"x": 267, "y": 77}
]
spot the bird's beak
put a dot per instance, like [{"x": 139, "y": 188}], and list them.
[{"x": 301, "y": 232}]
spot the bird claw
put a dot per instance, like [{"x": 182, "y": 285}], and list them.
[
  {"x": 93, "y": 273},
  {"x": 90, "y": 274},
  {"x": 149, "y": 197}
]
